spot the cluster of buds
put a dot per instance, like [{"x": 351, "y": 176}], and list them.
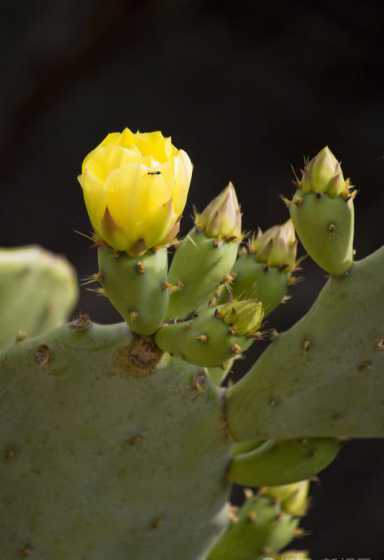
[
  {"x": 276, "y": 247},
  {"x": 323, "y": 174},
  {"x": 243, "y": 317}
]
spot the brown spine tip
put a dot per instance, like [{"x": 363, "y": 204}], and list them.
[
  {"x": 25, "y": 551},
  {"x": 21, "y": 335},
  {"x": 236, "y": 349},
  {"x": 43, "y": 355},
  {"x": 81, "y": 323},
  {"x": 155, "y": 523},
  {"x": 10, "y": 454},
  {"x": 136, "y": 439},
  {"x": 307, "y": 345},
  {"x": 202, "y": 338},
  {"x": 380, "y": 344},
  {"x": 133, "y": 315},
  {"x": 140, "y": 267}
]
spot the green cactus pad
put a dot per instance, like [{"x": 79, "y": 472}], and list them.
[
  {"x": 325, "y": 226},
  {"x": 198, "y": 266},
  {"x": 38, "y": 290},
  {"x": 257, "y": 280},
  {"x": 136, "y": 287},
  {"x": 259, "y": 527},
  {"x": 108, "y": 449},
  {"x": 323, "y": 377},
  {"x": 275, "y": 463},
  {"x": 205, "y": 341}
]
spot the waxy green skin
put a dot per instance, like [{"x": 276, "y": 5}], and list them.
[
  {"x": 325, "y": 226},
  {"x": 254, "y": 279},
  {"x": 324, "y": 376},
  {"x": 100, "y": 459},
  {"x": 200, "y": 264},
  {"x": 136, "y": 286},
  {"x": 110, "y": 448},
  {"x": 37, "y": 292},
  {"x": 262, "y": 528}
]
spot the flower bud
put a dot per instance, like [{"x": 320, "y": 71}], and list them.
[
  {"x": 221, "y": 219},
  {"x": 244, "y": 317},
  {"x": 294, "y": 555},
  {"x": 277, "y": 246},
  {"x": 135, "y": 188},
  {"x": 323, "y": 174},
  {"x": 292, "y": 497}
]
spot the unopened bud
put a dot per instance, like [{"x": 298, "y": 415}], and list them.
[
  {"x": 243, "y": 317},
  {"x": 277, "y": 246},
  {"x": 323, "y": 174},
  {"x": 292, "y": 497},
  {"x": 221, "y": 219}
]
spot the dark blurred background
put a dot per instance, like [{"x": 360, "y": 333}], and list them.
[{"x": 248, "y": 90}]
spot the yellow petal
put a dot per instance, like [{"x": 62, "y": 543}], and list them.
[
  {"x": 134, "y": 196},
  {"x": 183, "y": 174},
  {"x": 103, "y": 160},
  {"x": 95, "y": 199}
]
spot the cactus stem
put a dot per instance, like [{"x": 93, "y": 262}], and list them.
[
  {"x": 43, "y": 355},
  {"x": 217, "y": 243},
  {"x": 140, "y": 267}
]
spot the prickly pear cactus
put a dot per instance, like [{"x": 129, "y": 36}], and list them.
[{"x": 121, "y": 441}]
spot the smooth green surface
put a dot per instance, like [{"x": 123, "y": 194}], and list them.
[
  {"x": 325, "y": 227},
  {"x": 325, "y": 376},
  {"x": 182, "y": 339},
  {"x": 200, "y": 264},
  {"x": 254, "y": 279},
  {"x": 99, "y": 460},
  {"x": 261, "y": 526},
  {"x": 135, "y": 287},
  {"x": 38, "y": 290},
  {"x": 284, "y": 462}
]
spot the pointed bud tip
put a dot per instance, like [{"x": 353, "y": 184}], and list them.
[{"x": 221, "y": 219}]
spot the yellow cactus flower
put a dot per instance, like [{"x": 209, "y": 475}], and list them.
[{"x": 135, "y": 188}]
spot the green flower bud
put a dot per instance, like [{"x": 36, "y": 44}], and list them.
[
  {"x": 244, "y": 317},
  {"x": 277, "y": 246},
  {"x": 292, "y": 497},
  {"x": 323, "y": 174},
  {"x": 294, "y": 555},
  {"x": 221, "y": 219}
]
